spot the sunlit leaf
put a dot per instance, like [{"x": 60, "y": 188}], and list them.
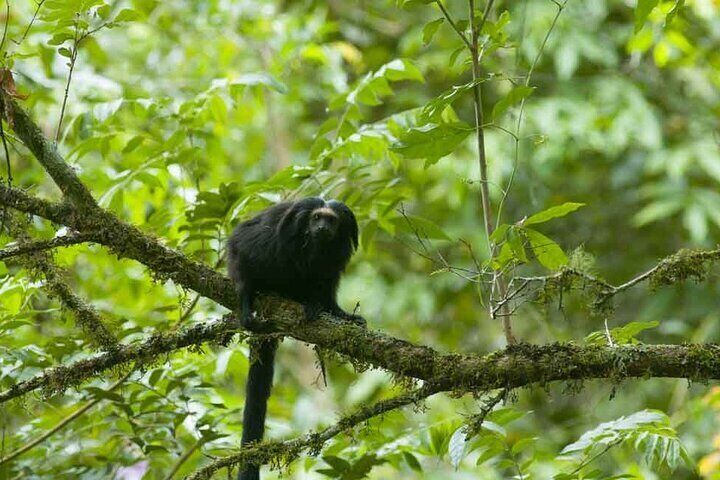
[
  {"x": 430, "y": 29},
  {"x": 553, "y": 212},
  {"x": 548, "y": 253},
  {"x": 642, "y": 11},
  {"x": 431, "y": 141}
]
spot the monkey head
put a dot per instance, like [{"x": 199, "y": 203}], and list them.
[
  {"x": 314, "y": 221},
  {"x": 323, "y": 224}
]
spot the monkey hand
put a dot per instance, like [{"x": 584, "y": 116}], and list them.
[
  {"x": 250, "y": 321},
  {"x": 357, "y": 319},
  {"x": 351, "y": 317},
  {"x": 312, "y": 311}
]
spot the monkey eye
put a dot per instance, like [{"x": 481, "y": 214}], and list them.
[{"x": 316, "y": 216}]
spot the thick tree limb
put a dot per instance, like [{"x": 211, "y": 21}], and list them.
[
  {"x": 363, "y": 346},
  {"x": 279, "y": 453},
  {"x": 513, "y": 367},
  {"x": 128, "y": 241}
]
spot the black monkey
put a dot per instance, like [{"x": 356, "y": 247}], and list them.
[{"x": 297, "y": 250}]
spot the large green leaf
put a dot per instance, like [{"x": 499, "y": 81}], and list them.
[
  {"x": 553, "y": 212},
  {"x": 548, "y": 253},
  {"x": 432, "y": 141}
]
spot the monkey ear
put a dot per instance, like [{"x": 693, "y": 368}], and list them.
[
  {"x": 348, "y": 219},
  {"x": 353, "y": 230}
]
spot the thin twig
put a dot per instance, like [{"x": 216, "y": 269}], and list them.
[
  {"x": 73, "y": 58},
  {"x": 32, "y": 21},
  {"x": 8, "y": 166},
  {"x": 508, "y": 297},
  {"x": 472, "y": 428},
  {"x": 498, "y": 285},
  {"x": 454, "y": 26},
  {"x": 521, "y": 111},
  {"x": 7, "y": 22},
  {"x": 594, "y": 457}
]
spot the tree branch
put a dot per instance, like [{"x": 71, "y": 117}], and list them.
[
  {"x": 58, "y": 379},
  {"x": 25, "y": 248},
  {"x": 512, "y": 367},
  {"x": 278, "y": 453},
  {"x": 46, "y": 153},
  {"x": 42, "y": 262},
  {"x": 21, "y": 201}
]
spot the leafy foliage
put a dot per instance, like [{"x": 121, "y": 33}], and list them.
[{"x": 186, "y": 117}]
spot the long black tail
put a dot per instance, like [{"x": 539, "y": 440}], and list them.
[{"x": 257, "y": 392}]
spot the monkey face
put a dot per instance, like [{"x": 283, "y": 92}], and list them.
[{"x": 323, "y": 225}]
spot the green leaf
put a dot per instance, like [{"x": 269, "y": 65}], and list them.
[
  {"x": 60, "y": 38},
  {"x": 608, "y": 432},
  {"x": 456, "y": 447},
  {"x": 431, "y": 141},
  {"x": 548, "y": 253},
  {"x": 625, "y": 334},
  {"x": 517, "y": 246},
  {"x": 513, "y": 97},
  {"x": 104, "y": 12},
  {"x": 419, "y": 226},
  {"x": 494, "y": 428},
  {"x": 430, "y": 29},
  {"x": 657, "y": 210},
  {"x": 414, "y": 3},
  {"x": 642, "y": 11},
  {"x": 127, "y": 15},
  {"x": 679, "y": 4},
  {"x": 400, "y": 69},
  {"x": 412, "y": 461},
  {"x": 436, "y": 106},
  {"x": 454, "y": 55},
  {"x": 499, "y": 233},
  {"x": 133, "y": 143},
  {"x": 553, "y": 212},
  {"x": 264, "y": 79},
  {"x": 506, "y": 415},
  {"x": 375, "y": 85},
  {"x": 337, "y": 463},
  {"x": 648, "y": 431}
]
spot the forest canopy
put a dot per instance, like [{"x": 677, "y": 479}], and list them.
[{"x": 537, "y": 189}]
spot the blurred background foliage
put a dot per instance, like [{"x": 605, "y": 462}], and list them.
[{"x": 186, "y": 117}]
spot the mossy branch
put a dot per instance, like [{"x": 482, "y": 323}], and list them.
[
  {"x": 46, "y": 153},
  {"x": 281, "y": 453},
  {"x": 40, "y": 261},
  {"x": 512, "y": 367},
  {"x": 24, "y": 248},
  {"x": 58, "y": 379}
]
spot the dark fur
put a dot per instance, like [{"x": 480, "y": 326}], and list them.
[{"x": 297, "y": 250}]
